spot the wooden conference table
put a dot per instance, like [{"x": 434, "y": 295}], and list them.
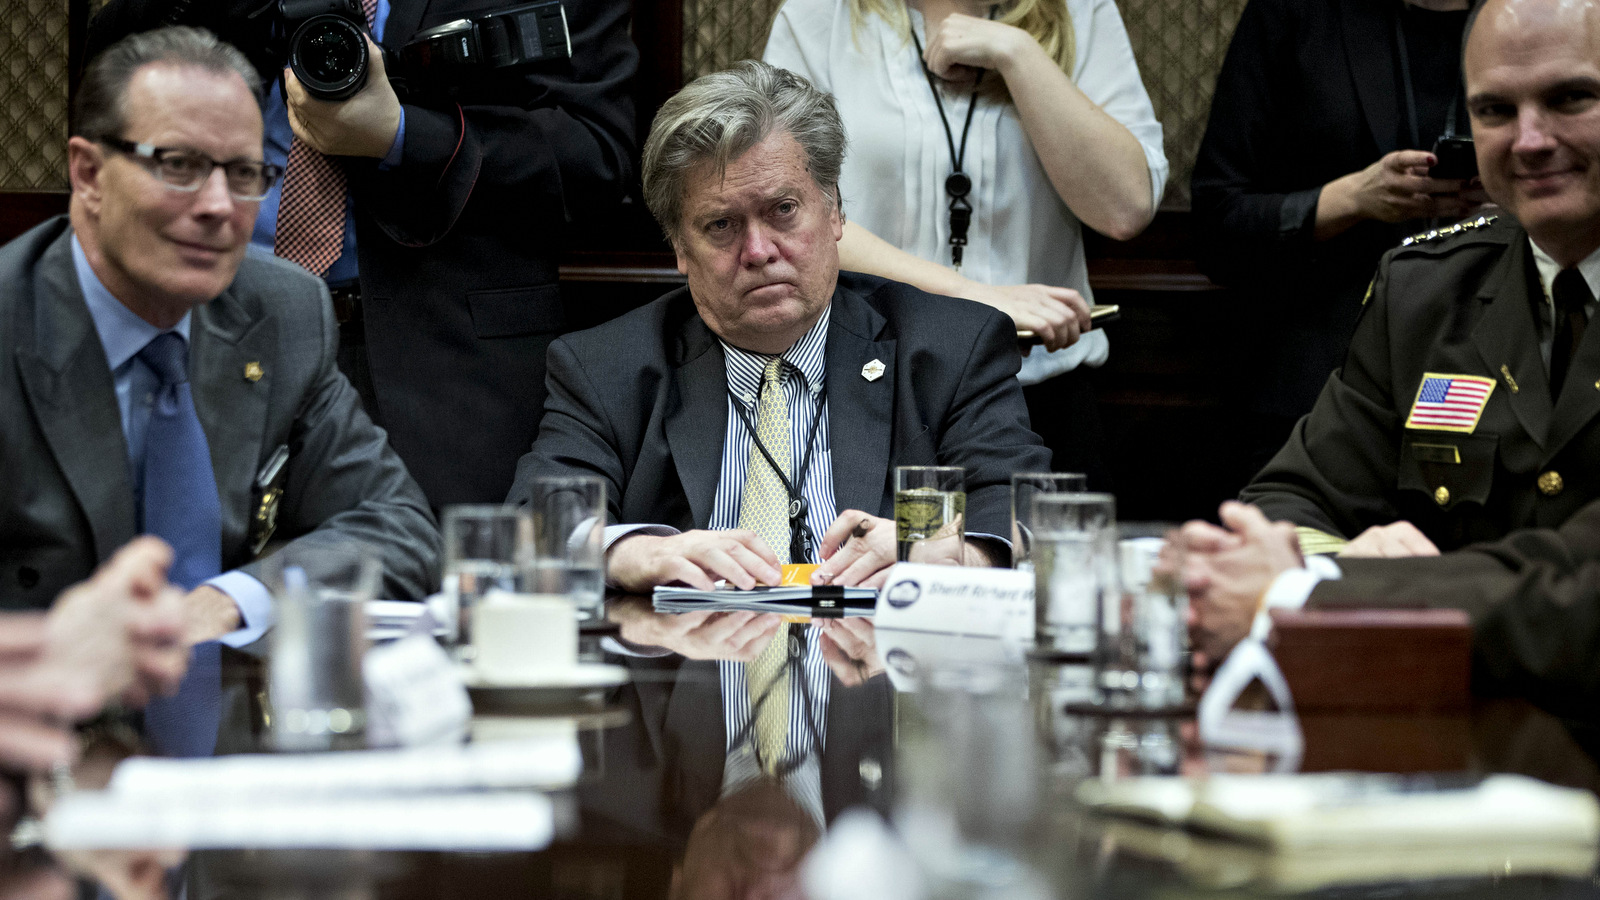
[{"x": 647, "y": 809}]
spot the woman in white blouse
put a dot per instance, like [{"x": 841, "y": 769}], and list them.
[{"x": 1045, "y": 150}]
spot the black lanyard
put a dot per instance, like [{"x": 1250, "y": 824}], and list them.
[
  {"x": 958, "y": 185},
  {"x": 801, "y": 541}
]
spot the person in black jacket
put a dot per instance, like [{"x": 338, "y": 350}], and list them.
[{"x": 1315, "y": 161}]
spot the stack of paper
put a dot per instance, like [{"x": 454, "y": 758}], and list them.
[{"x": 481, "y": 796}]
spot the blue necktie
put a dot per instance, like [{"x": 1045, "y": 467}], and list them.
[{"x": 181, "y": 507}]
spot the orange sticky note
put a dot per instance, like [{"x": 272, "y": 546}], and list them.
[{"x": 797, "y": 574}]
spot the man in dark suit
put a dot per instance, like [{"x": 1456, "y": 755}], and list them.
[
  {"x": 461, "y": 188},
  {"x": 705, "y": 409},
  {"x": 246, "y": 431},
  {"x": 1468, "y": 405}
]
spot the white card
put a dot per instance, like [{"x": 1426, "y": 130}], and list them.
[
  {"x": 414, "y": 695},
  {"x": 957, "y": 600}
]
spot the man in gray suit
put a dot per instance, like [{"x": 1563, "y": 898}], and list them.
[
  {"x": 165, "y": 162},
  {"x": 773, "y": 366}
]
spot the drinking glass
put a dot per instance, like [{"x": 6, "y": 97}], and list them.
[
  {"x": 930, "y": 507},
  {"x": 1025, "y": 486},
  {"x": 485, "y": 548},
  {"x": 1151, "y": 654},
  {"x": 1075, "y": 571},
  {"x": 319, "y": 642},
  {"x": 569, "y": 517}
]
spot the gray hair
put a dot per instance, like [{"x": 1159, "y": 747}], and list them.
[
  {"x": 100, "y": 109},
  {"x": 718, "y": 117}
]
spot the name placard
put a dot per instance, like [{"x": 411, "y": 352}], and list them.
[{"x": 957, "y": 600}]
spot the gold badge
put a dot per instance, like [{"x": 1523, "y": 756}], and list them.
[
  {"x": 872, "y": 371},
  {"x": 253, "y": 371},
  {"x": 266, "y": 519},
  {"x": 1550, "y": 483},
  {"x": 1442, "y": 495}
]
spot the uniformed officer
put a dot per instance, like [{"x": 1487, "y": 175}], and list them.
[{"x": 1468, "y": 404}]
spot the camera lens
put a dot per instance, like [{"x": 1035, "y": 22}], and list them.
[{"x": 329, "y": 56}]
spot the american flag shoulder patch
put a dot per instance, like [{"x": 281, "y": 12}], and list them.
[{"x": 1450, "y": 402}]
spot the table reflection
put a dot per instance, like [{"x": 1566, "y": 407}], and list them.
[{"x": 967, "y": 762}]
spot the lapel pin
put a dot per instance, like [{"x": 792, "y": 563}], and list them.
[
  {"x": 252, "y": 371},
  {"x": 872, "y": 371}
]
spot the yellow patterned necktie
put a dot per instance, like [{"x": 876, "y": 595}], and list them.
[{"x": 764, "y": 509}]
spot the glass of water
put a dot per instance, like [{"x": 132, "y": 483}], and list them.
[
  {"x": 569, "y": 519},
  {"x": 930, "y": 513},
  {"x": 1025, "y": 486},
  {"x": 1075, "y": 571},
  {"x": 318, "y": 644},
  {"x": 485, "y": 548}
]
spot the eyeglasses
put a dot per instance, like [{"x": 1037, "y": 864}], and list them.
[{"x": 186, "y": 170}]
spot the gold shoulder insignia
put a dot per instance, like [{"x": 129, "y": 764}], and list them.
[{"x": 1434, "y": 234}]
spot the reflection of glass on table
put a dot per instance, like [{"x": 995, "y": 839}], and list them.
[{"x": 930, "y": 505}]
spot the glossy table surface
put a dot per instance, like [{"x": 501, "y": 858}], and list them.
[{"x": 986, "y": 748}]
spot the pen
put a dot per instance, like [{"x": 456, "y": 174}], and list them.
[{"x": 860, "y": 531}]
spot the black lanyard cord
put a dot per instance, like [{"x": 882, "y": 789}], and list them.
[
  {"x": 801, "y": 541},
  {"x": 958, "y": 184}
]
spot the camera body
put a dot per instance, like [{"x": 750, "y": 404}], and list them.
[
  {"x": 327, "y": 46},
  {"x": 529, "y": 33},
  {"x": 1458, "y": 158}
]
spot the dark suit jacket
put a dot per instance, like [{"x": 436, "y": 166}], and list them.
[
  {"x": 641, "y": 401},
  {"x": 66, "y": 501},
  {"x": 1534, "y": 599},
  {"x": 1309, "y": 91},
  {"x": 1461, "y": 304}
]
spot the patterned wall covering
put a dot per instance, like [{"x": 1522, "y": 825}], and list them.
[
  {"x": 33, "y": 95},
  {"x": 1179, "y": 45}
]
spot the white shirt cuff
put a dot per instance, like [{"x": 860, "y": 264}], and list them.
[
  {"x": 256, "y": 611},
  {"x": 1291, "y": 590}
]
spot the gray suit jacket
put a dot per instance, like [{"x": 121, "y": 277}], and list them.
[
  {"x": 641, "y": 401},
  {"x": 66, "y": 501}
]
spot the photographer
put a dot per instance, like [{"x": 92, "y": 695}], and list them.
[
  {"x": 460, "y": 187},
  {"x": 1315, "y": 161}
]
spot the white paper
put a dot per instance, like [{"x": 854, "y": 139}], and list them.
[
  {"x": 957, "y": 600},
  {"x": 537, "y": 764},
  {"x": 482, "y": 821},
  {"x": 414, "y": 695}
]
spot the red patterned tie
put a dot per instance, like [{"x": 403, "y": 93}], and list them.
[{"x": 311, "y": 216}]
